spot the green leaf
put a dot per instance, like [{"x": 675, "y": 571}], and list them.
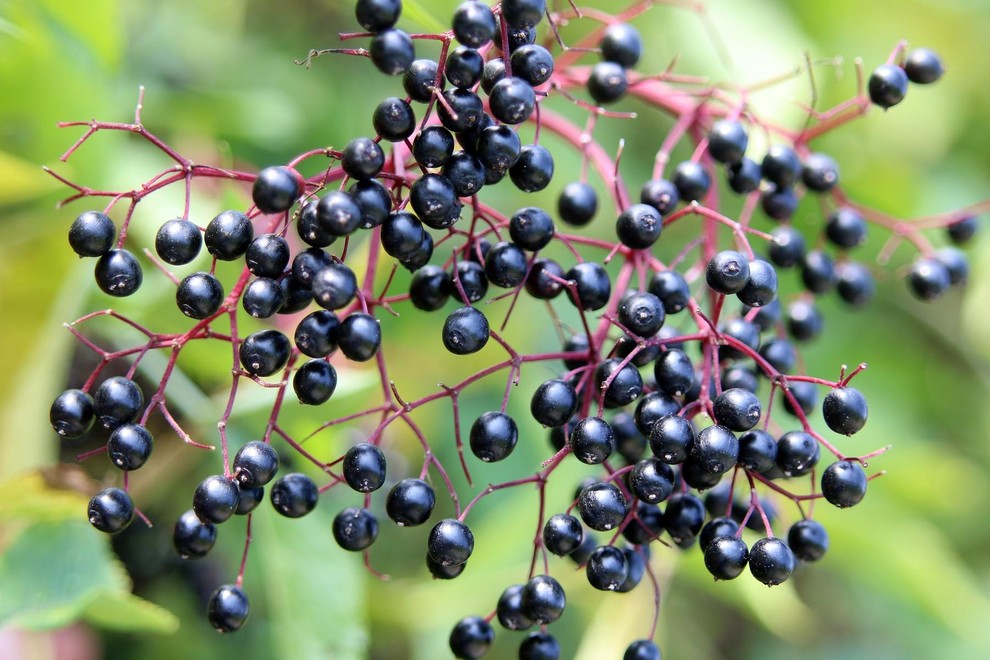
[
  {"x": 414, "y": 11},
  {"x": 122, "y": 610}
]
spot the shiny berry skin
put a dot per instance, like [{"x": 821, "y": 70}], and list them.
[
  {"x": 855, "y": 283},
  {"x": 505, "y": 265},
  {"x": 781, "y": 166},
  {"x": 592, "y": 285},
  {"x": 410, "y": 502},
  {"x": 806, "y": 395},
  {"x": 295, "y": 296},
  {"x": 684, "y": 517},
  {"x": 592, "y": 440},
  {"x": 509, "y": 609},
  {"x": 626, "y": 382},
  {"x": 129, "y": 446},
  {"x": 639, "y": 226},
  {"x": 118, "y": 400},
  {"x": 674, "y": 372},
  {"x": 671, "y": 438},
  {"x": 955, "y": 263},
  {"x": 72, "y": 413},
  {"x": 607, "y": 82},
  {"x": 778, "y": 203},
  {"x": 465, "y": 331},
  {"x": 691, "y": 180},
  {"x": 433, "y": 200},
  {"x": 533, "y": 63},
  {"x": 314, "y": 382},
  {"x": 394, "y": 119},
  {"x": 316, "y": 334},
  {"x": 534, "y": 169},
  {"x": 554, "y": 403},
  {"x": 276, "y": 189},
  {"x": 111, "y": 510},
  {"x": 577, "y": 204},
  {"x": 543, "y": 599},
  {"x": 642, "y": 313},
  {"x": 228, "y": 608},
  {"x": 267, "y": 255},
  {"x": 192, "y": 537},
  {"x": 744, "y": 176},
  {"x": 539, "y": 646},
  {"x": 359, "y": 337},
  {"x": 887, "y": 85},
  {"x": 362, "y": 158},
  {"x": 642, "y": 649},
  {"x": 607, "y": 568},
  {"x": 465, "y": 173},
  {"x": 255, "y": 464},
  {"x": 364, "y": 467},
  {"x": 808, "y": 540},
  {"x": 451, "y": 542},
  {"x": 377, "y": 15},
  {"x": 797, "y": 453},
  {"x": 757, "y": 451},
  {"x": 844, "y": 483},
  {"x": 531, "y": 228},
  {"x": 229, "y": 234},
  {"x": 264, "y": 353},
  {"x": 249, "y": 501},
  {"x": 216, "y": 499},
  {"x": 928, "y": 278},
  {"x": 818, "y": 272},
  {"x": 846, "y": 228},
  {"x": 602, "y": 506},
  {"x": 819, "y": 173},
  {"x": 716, "y": 528},
  {"x": 716, "y": 448},
  {"x": 562, "y": 534},
  {"x": 468, "y": 110},
  {"x": 294, "y": 495},
  {"x": 651, "y": 480},
  {"x": 726, "y": 557},
  {"x": 672, "y": 290},
  {"x": 178, "y": 241},
  {"x": 923, "y": 66},
  {"x": 523, "y": 13},
  {"x": 845, "y": 410},
  {"x": 335, "y": 285},
  {"x": 727, "y": 272},
  {"x": 727, "y": 141},
  {"x": 392, "y": 51},
  {"x": 91, "y": 234},
  {"x": 787, "y": 248},
  {"x": 118, "y": 273},
  {"x": 661, "y": 194},
  {"x": 622, "y": 44},
  {"x": 355, "y": 529},
  {"x": 433, "y": 146},
  {"x": 419, "y": 78},
  {"x": 199, "y": 295},
  {"x": 472, "y": 279},
  {"x": 440, "y": 572},
  {"x": 652, "y": 408},
  {"x": 771, "y": 561},
  {"x": 471, "y": 638},
  {"x": 474, "y": 24},
  {"x": 804, "y": 321},
  {"x": 761, "y": 286},
  {"x": 430, "y": 288},
  {"x": 737, "y": 409},
  {"x": 493, "y": 436}
]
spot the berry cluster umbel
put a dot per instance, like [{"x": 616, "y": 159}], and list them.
[{"x": 692, "y": 432}]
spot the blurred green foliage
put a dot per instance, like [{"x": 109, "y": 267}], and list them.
[{"x": 908, "y": 572}]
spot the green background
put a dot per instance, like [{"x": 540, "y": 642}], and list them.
[{"x": 908, "y": 572}]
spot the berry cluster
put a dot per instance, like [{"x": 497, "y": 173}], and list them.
[{"x": 666, "y": 377}]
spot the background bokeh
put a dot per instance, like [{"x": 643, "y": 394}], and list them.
[{"x": 908, "y": 572}]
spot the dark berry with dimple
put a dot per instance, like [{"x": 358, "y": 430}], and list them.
[
  {"x": 199, "y": 295},
  {"x": 554, "y": 403},
  {"x": 592, "y": 285},
  {"x": 845, "y": 410},
  {"x": 178, "y": 241},
  {"x": 642, "y": 313},
  {"x": 887, "y": 85},
  {"x": 111, "y": 510},
  {"x": 819, "y": 173},
  {"x": 533, "y": 63},
  {"x": 716, "y": 447},
  {"x": 465, "y": 331},
  {"x": 928, "y": 278},
  {"x": 192, "y": 537},
  {"x": 118, "y": 273},
  {"x": 118, "y": 400},
  {"x": 72, "y": 413},
  {"x": 430, "y": 288},
  {"x": 362, "y": 158},
  {"x": 651, "y": 480},
  {"x": 441, "y": 572},
  {"x": 267, "y": 255},
  {"x": 844, "y": 483},
  {"x": 467, "y": 108},
  {"x": 607, "y": 82},
  {"x": 737, "y": 409},
  {"x": 602, "y": 506},
  {"x": 364, "y": 467},
  {"x": 433, "y": 199},
  {"x": 592, "y": 440},
  {"x": 512, "y": 100},
  {"x": 255, "y": 464},
  {"x": 419, "y": 80},
  {"x": 334, "y": 285},
  {"x": 129, "y": 446},
  {"x": 509, "y": 609},
  {"x": 716, "y": 528},
  {"x": 661, "y": 194},
  {"x": 394, "y": 119},
  {"x": 91, "y": 234},
  {"x": 531, "y": 228},
  {"x": 228, "y": 235},
  {"x": 684, "y": 517},
  {"x": 493, "y": 436},
  {"x": 639, "y": 226},
  {"x": 757, "y": 451},
  {"x": 625, "y": 384},
  {"x": 505, "y": 265},
  {"x": 727, "y": 272},
  {"x": 451, "y": 542},
  {"x": 607, "y": 568},
  {"x": 760, "y": 289},
  {"x": 228, "y": 608},
  {"x": 265, "y": 352},
  {"x": 314, "y": 382},
  {"x": 771, "y": 561},
  {"x": 671, "y": 438},
  {"x": 674, "y": 372},
  {"x": 316, "y": 334},
  {"x": 410, "y": 502},
  {"x": 216, "y": 498},
  {"x": 672, "y": 290},
  {"x": 294, "y": 495},
  {"x": 355, "y": 529},
  {"x": 276, "y": 189},
  {"x": 392, "y": 51}
]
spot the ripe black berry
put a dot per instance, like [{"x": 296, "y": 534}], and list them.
[
  {"x": 684, "y": 518},
  {"x": 534, "y": 169},
  {"x": 91, "y": 234},
  {"x": 316, "y": 334},
  {"x": 465, "y": 172},
  {"x": 394, "y": 119},
  {"x": 229, "y": 234},
  {"x": 111, "y": 510},
  {"x": 845, "y": 410},
  {"x": 533, "y": 63},
  {"x": 294, "y": 495},
  {"x": 771, "y": 561},
  {"x": 392, "y": 51},
  {"x": 727, "y": 141},
  {"x": 781, "y": 166},
  {"x": 493, "y": 436},
  {"x": 471, "y": 638},
  {"x": 72, "y": 413},
  {"x": 651, "y": 480},
  {"x": 607, "y": 568},
  {"x": 255, "y": 464},
  {"x": 275, "y": 190},
  {"x": 639, "y": 226},
  {"x": 465, "y": 331},
  {"x": 505, "y": 265},
  {"x": 362, "y": 158},
  {"x": 410, "y": 502},
  {"x": 554, "y": 403},
  {"x": 267, "y": 255},
  {"x": 819, "y": 173},
  {"x": 562, "y": 534},
  {"x": 364, "y": 467},
  {"x": 672, "y": 290},
  {"x": 216, "y": 498},
  {"x": 577, "y": 203},
  {"x": 523, "y": 13},
  {"x": 451, "y": 542},
  {"x": 602, "y": 506},
  {"x": 192, "y": 537},
  {"x": 314, "y": 382},
  {"x": 716, "y": 448},
  {"x": 622, "y": 44},
  {"x": 928, "y": 278},
  {"x": 471, "y": 277},
  {"x": 855, "y": 283},
  {"x": 844, "y": 483},
  {"x": 592, "y": 440},
  {"x": 778, "y": 203},
  {"x": 118, "y": 273},
  {"x": 465, "y": 110},
  {"x": 818, "y": 272},
  {"x": 642, "y": 649},
  {"x": 744, "y": 176},
  {"x": 539, "y": 646},
  {"x": 642, "y": 313},
  {"x": 355, "y": 529},
  {"x": 335, "y": 285},
  {"x": 118, "y": 400},
  {"x": 199, "y": 295},
  {"x": 661, "y": 194},
  {"x": 674, "y": 372},
  {"x": 846, "y": 228},
  {"x": 808, "y": 540},
  {"x": 761, "y": 286},
  {"x": 887, "y": 85},
  {"x": 716, "y": 527},
  {"x": 474, "y": 24},
  {"x": 433, "y": 146},
  {"x": 377, "y": 15},
  {"x": 797, "y": 453},
  {"x": 509, "y": 609},
  {"x": 531, "y": 228},
  {"x": 592, "y": 285},
  {"x": 607, "y": 82},
  {"x": 359, "y": 337},
  {"x": 727, "y": 272},
  {"x": 923, "y": 66},
  {"x": 757, "y": 451},
  {"x": 626, "y": 382},
  {"x": 432, "y": 198},
  {"x": 671, "y": 438},
  {"x": 264, "y": 352},
  {"x": 543, "y": 599},
  {"x": 691, "y": 180},
  {"x": 129, "y": 446},
  {"x": 228, "y": 608},
  {"x": 726, "y": 557},
  {"x": 178, "y": 241},
  {"x": 737, "y": 409}
]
